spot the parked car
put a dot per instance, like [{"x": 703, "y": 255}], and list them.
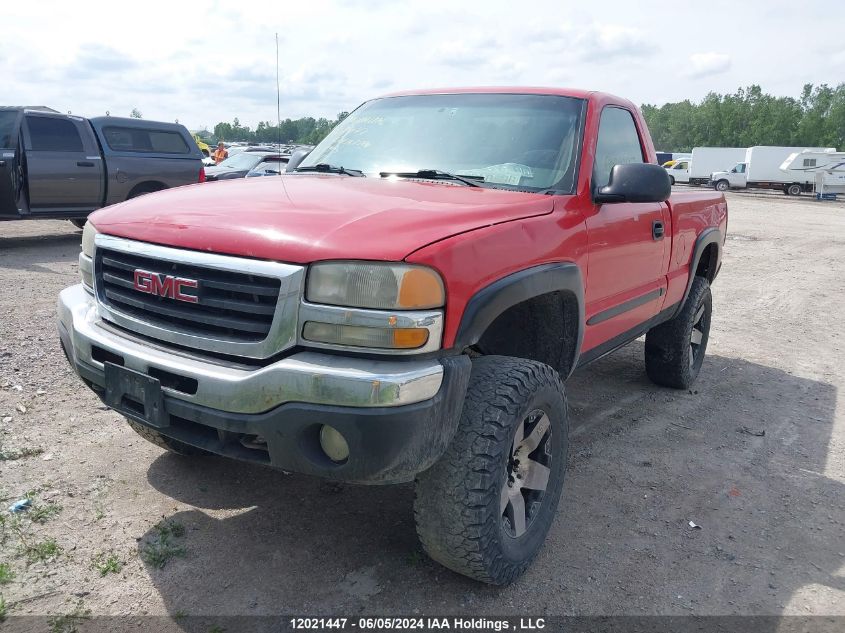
[
  {"x": 406, "y": 304},
  {"x": 237, "y": 166},
  {"x": 204, "y": 147},
  {"x": 761, "y": 169},
  {"x": 55, "y": 165},
  {"x": 271, "y": 165}
]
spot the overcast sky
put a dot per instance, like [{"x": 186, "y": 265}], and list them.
[{"x": 207, "y": 61}]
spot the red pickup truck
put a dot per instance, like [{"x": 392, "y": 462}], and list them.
[{"x": 405, "y": 303}]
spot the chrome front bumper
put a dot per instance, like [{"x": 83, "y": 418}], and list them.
[{"x": 307, "y": 377}]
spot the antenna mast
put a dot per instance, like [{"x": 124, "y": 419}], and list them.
[{"x": 278, "y": 100}]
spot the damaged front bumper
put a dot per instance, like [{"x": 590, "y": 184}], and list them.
[{"x": 397, "y": 416}]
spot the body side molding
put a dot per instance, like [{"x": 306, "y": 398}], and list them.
[
  {"x": 621, "y": 308},
  {"x": 623, "y": 339}
]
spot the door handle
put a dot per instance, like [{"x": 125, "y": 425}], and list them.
[
  {"x": 657, "y": 230},
  {"x": 84, "y": 163}
]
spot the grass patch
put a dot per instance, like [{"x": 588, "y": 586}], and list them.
[
  {"x": 161, "y": 549},
  {"x": 159, "y": 552},
  {"x": 43, "y": 513},
  {"x": 19, "y": 453},
  {"x": 167, "y": 528},
  {"x": 110, "y": 564},
  {"x": 43, "y": 551},
  {"x": 6, "y": 574},
  {"x": 69, "y": 622}
]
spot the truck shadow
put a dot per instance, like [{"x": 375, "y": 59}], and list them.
[
  {"x": 644, "y": 462},
  {"x": 29, "y": 245}
]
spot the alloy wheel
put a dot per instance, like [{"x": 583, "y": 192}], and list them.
[
  {"x": 527, "y": 475},
  {"x": 697, "y": 335}
]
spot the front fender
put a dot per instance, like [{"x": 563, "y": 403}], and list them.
[{"x": 493, "y": 300}]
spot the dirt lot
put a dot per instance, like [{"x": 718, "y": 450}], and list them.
[{"x": 645, "y": 461}]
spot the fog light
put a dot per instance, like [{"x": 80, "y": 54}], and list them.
[{"x": 333, "y": 444}]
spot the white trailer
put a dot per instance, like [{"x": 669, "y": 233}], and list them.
[
  {"x": 829, "y": 182},
  {"x": 761, "y": 169},
  {"x": 809, "y": 162},
  {"x": 828, "y": 169},
  {"x": 706, "y": 160}
]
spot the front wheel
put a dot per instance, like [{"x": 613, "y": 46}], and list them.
[
  {"x": 722, "y": 185},
  {"x": 674, "y": 350},
  {"x": 793, "y": 190},
  {"x": 671, "y": 180},
  {"x": 79, "y": 222},
  {"x": 485, "y": 508}
]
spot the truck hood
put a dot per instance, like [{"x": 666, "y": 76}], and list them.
[{"x": 309, "y": 217}]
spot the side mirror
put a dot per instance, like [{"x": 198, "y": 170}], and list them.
[
  {"x": 635, "y": 182},
  {"x": 296, "y": 158}
]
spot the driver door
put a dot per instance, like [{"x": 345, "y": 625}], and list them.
[
  {"x": 11, "y": 174},
  {"x": 626, "y": 277}
]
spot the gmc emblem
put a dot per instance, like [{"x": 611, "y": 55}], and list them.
[{"x": 163, "y": 285}]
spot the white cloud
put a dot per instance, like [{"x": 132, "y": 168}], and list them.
[
  {"x": 172, "y": 61},
  {"x": 707, "y": 64},
  {"x": 607, "y": 42}
]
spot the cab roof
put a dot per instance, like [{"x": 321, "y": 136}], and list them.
[{"x": 540, "y": 90}]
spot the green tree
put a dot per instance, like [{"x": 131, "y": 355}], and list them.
[
  {"x": 751, "y": 117},
  {"x": 136, "y": 114}
]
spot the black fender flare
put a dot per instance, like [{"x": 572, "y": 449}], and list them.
[
  {"x": 492, "y": 300},
  {"x": 708, "y": 236}
]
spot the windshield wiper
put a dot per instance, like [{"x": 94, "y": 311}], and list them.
[
  {"x": 325, "y": 168},
  {"x": 435, "y": 174}
]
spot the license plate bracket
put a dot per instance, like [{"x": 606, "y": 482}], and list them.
[{"x": 135, "y": 394}]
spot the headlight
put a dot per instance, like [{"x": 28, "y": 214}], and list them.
[
  {"x": 375, "y": 285},
  {"x": 86, "y": 258},
  {"x": 88, "y": 235}
]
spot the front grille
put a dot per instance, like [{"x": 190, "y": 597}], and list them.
[{"x": 230, "y": 306}]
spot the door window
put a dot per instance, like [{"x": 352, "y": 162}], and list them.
[
  {"x": 130, "y": 139},
  {"x": 53, "y": 135},
  {"x": 618, "y": 144},
  {"x": 7, "y": 128}
]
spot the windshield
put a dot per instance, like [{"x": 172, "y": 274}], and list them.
[
  {"x": 242, "y": 160},
  {"x": 274, "y": 166},
  {"x": 525, "y": 142}
]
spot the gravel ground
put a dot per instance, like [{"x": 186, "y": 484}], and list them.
[{"x": 753, "y": 455}]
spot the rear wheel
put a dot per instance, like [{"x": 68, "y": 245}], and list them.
[
  {"x": 722, "y": 185},
  {"x": 674, "y": 350},
  {"x": 79, "y": 222},
  {"x": 485, "y": 508},
  {"x": 671, "y": 180},
  {"x": 162, "y": 441},
  {"x": 794, "y": 190}
]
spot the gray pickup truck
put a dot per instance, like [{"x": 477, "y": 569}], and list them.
[{"x": 56, "y": 165}]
